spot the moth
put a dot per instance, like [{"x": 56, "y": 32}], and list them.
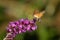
[{"x": 37, "y": 15}]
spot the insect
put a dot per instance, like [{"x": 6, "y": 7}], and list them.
[{"x": 38, "y": 15}]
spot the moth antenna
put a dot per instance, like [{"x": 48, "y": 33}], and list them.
[{"x": 39, "y": 20}]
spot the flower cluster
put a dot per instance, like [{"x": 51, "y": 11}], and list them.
[{"x": 21, "y": 26}]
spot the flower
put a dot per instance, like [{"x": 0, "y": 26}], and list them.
[{"x": 21, "y": 26}]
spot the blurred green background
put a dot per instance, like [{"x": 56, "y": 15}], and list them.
[{"x": 48, "y": 29}]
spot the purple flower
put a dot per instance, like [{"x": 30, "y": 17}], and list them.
[
  {"x": 9, "y": 30},
  {"x": 28, "y": 27},
  {"x": 21, "y": 26},
  {"x": 34, "y": 27},
  {"x": 21, "y": 21},
  {"x": 12, "y": 24},
  {"x": 16, "y": 22},
  {"x": 26, "y": 21}
]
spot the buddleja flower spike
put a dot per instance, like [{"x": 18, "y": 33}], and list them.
[{"x": 18, "y": 27}]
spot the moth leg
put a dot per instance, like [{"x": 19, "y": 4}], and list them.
[{"x": 39, "y": 20}]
